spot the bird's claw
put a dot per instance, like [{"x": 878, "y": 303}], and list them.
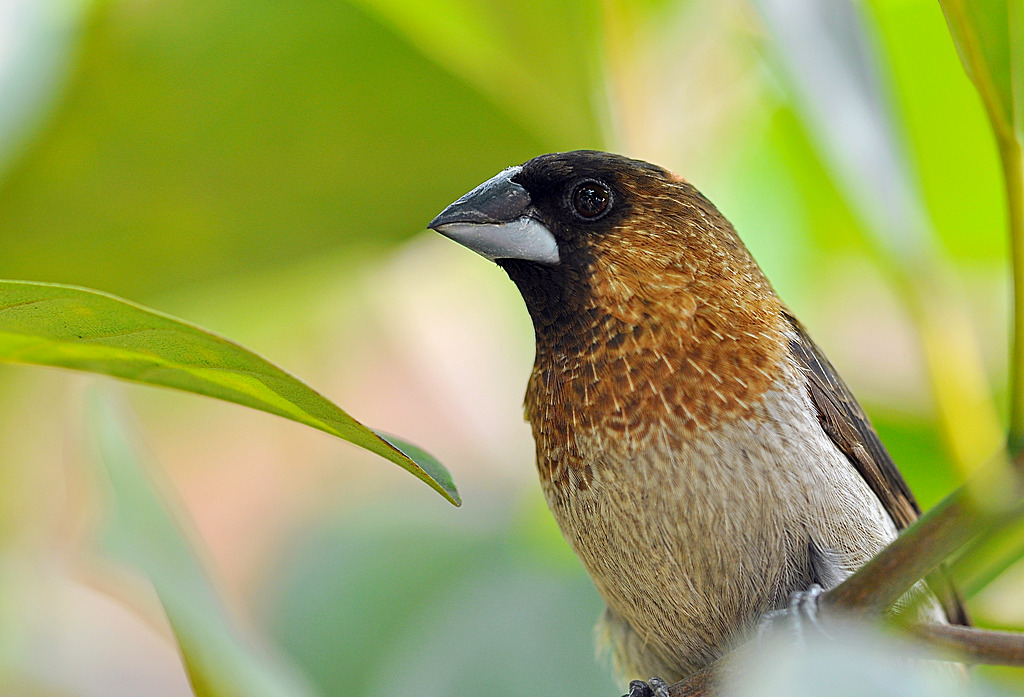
[
  {"x": 655, "y": 687},
  {"x": 802, "y": 612}
]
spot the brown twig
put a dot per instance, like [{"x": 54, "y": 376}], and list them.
[
  {"x": 940, "y": 533},
  {"x": 876, "y": 586},
  {"x": 873, "y": 590},
  {"x": 962, "y": 644},
  {"x": 701, "y": 684},
  {"x": 971, "y": 645}
]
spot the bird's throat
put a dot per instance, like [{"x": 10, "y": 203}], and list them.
[{"x": 642, "y": 367}]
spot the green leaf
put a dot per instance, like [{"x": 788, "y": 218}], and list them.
[
  {"x": 824, "y": 53},
  {"x": 285, "y": 133},
  {"x": 68, "y": 327},
  {"x": 987, "y": 558},
  {"x": 539, "y": 60},
  {"x": 144, "y": 532},
  {"x": 989, "y": 36}
]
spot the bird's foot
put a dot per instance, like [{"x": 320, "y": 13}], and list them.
[
  {"x": 655, "y": 687},
  {"x": 802, "y": 612}
]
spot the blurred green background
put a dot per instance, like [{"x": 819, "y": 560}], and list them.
[{"x": 266, "y": 170}]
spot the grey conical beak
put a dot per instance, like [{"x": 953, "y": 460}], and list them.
[{"x": 495, "y": 221}]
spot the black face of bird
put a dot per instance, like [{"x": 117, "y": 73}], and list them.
[{"x": 541, "y": 211}]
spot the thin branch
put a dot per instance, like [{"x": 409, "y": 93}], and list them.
[
  {"x": 941, "y": 532},
  {"x": 703, "y": 683},
  {"x": 876, "y": 586},
  {"x": 971, "y": 645},
  {"x": 962, "y": 644}
]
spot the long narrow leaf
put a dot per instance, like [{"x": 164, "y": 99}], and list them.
[
  {"x": 989, "y": 37},
  {"x": 68, "y": 327},
  {"x": 143, "y": 531},
  {"x": 535, "y": 59},
  {"x": 827, "y": 55}
]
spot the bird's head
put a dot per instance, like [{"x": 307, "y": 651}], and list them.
[
  {"x": 588, "y": 231},
  {"x": 629, "y": 274}
]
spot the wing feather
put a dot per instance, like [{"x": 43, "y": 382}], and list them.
[{"x": 848, "y": 426}]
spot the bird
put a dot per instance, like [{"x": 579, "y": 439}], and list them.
[{"x": 697, "y": 449}]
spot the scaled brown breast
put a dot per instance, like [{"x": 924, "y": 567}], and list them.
[{"x": 697, "y": 341}]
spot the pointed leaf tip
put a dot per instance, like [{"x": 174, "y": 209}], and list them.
[
  {"x": 434, "y": 473},
  {"x": 81, "y": 329}
]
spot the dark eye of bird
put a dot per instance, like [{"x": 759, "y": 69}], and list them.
[{"x": 591, "y": 199}]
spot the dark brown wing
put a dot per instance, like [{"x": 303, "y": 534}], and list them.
[
  {"x": 848, "y": 426},
  {"x": 845, "y": 422}
]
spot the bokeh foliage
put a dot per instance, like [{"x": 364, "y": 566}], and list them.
[{"x": 254, "y": 165}]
